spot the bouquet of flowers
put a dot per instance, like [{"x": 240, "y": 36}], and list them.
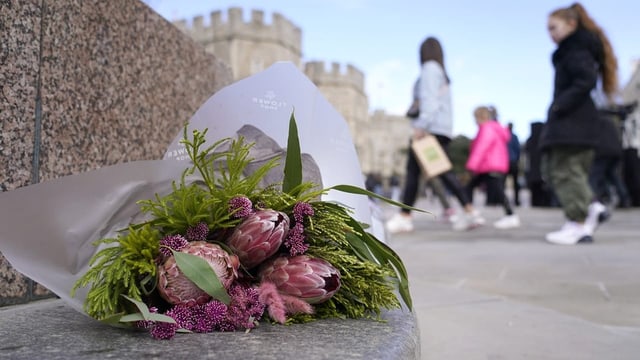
[
  {"x": 221, "y": 252},
  {"x": 242, "y": 235}
]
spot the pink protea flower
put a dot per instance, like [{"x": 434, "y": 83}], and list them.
[
  {"x": 259, "y": 236},
  {"x": 178, "y": 289},
  {"x": 311, "y": 279}
]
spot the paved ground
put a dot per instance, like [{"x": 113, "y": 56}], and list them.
[{"x": 490, "y": 294}]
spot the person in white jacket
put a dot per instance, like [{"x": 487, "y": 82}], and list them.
[{"x": 435, "y": 118}]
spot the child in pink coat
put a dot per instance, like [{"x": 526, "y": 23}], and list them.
[{"x": 489, "y": 162}]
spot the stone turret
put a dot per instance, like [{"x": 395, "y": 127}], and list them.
[
  {"x": 248, "y": 46},
  {"x": 352, "y": 77},
  {"x": 344, "y": 89}
]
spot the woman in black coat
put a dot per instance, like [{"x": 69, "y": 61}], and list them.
[{"x": 569, "y": 136}]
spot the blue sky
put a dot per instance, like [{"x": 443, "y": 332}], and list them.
[{"x": 496, "y": 51}]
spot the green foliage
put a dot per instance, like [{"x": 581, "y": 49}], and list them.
[
  {"x": 116, "y": 270},
  {"x": 206, "y": 200},
  {"x": 293, "y": 164},
  {"x": 370, "y": 271}
]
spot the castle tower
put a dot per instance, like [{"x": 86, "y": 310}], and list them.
[
  {"x": 248, "y": 47},
  {"x": 388, "y": 146},
  {"x": 345, "y": 91}
]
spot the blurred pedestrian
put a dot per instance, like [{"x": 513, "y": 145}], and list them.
[
  {"x": 435, "y": 117},
  {"x": 436, "y": 185},
  {"x": 514, "y": 159},
  {"x": 605, "y": 170},
  {"x": 583, "y": 56},
  {"x": 489, "y": 162}
]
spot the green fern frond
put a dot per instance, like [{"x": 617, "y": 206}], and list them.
[{"x": 116, "y": 270}]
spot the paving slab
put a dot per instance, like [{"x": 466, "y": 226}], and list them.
[{"x": 507, "y": 294}]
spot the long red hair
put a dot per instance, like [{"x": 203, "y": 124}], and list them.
[{"x": 609, "y": 68}]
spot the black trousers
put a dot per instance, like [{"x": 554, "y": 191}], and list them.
[
  {"x": 514, "y": 173},
  {"x": 492, "y": 181},
  {"x": 605, "y": 171},
  {"x": 412, "y": 178}
]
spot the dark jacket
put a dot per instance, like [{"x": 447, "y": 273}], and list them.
[
  {"x": 572, "y": 117},
  {"x": 610, "y": 141}
]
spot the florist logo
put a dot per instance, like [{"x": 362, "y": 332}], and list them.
[
  {"x": 178, "y": 154},
  {"x": 269, "y": 101}
]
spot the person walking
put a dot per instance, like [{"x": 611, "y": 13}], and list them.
[
  {"x": 435, "y": 117},
  {"x": 514, "y": 158},
  {"x": 605, "y": 170},
  {"x": 489, "y": 162},
  {"x": 570, "y": 134},
  {"x": 436, "y": 185}
]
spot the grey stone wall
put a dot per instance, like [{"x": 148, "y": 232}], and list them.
[{"x": 86, "y": 84}]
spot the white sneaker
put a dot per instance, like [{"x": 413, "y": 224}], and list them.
[
  {"x": 571, "y": 233},
  {"x": 399, "y": 223},
  {"x": 468, "y": 221},
  {"x": 449, "y": 215},
  {"x": 598, "y": 214},
  {"x": 508, "y": 222},
  {"x": 477, "y": 218}
]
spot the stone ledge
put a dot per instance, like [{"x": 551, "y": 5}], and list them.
[{"x": 50, "y": 329}]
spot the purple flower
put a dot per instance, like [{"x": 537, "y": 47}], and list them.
[
  {"x": 176, "y": 288},
  {"x": 245, "y": 308},
  {"x": 313, "y": 280},
  {"x": 163, "y": 330},
  {"x": 175, "y": 242},
  {"x": 214, "y": 314},
  {"x": 295, "y": 240},
  {"x": 300, "y": 210},
  {"x": 240, "y": 206},
  {"x": 182, "y": 315},
  {"x": 198, "y": 232},
  {"x": 259, "y": 236}
]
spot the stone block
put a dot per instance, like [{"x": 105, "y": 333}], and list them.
[{"x": 88, "y": 84}]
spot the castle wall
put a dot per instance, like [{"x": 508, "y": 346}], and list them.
[
  {"x": 253, "y": 45},
  {"x": 388, "y": 144},
  {"x": 248, "y": 46},
  {"x": 344, "y": 89}
]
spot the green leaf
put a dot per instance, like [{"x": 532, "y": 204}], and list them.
[
  {"x": 293, "y": 162},
  {"x": 200, "y": 273},
  {"x": 360, "y": 191},
  {"x": 144, "y": 310},
  {"x": 114, "y": 320},
  {"x": 153, "y": 317}
]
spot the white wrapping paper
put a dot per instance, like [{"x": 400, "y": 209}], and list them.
[{"x": 47, "y": 229}]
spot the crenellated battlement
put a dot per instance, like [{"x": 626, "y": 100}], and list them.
[
  {"x": 280, "y": 30},
  {"x": 336, "y": 75}
]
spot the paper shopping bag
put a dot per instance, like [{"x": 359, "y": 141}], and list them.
[{"x": 431, "y": 157}]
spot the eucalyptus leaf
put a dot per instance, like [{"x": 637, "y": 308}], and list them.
[
  {"x": 200, "y": 273},
  {"x": 114, "y": 320},
  {"x": 153, "y": 317},
  {"x": 144, "y": 310},
  {"x": 293, "y": 161}
]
